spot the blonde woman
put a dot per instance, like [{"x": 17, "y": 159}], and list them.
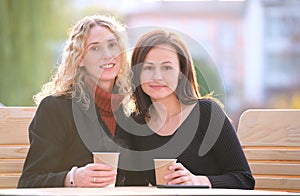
[{"x": 75, "y": 114}]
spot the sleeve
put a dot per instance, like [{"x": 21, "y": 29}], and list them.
[
  {"x": 229, "y": 155},
  {"x": 47, "y": 135}
]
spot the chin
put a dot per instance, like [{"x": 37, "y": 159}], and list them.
[
  {"x": 108, "y": 76},
  {"x": 157, "y": 97}
]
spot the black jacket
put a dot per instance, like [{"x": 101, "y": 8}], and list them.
[{"x": 63, "y": 134}]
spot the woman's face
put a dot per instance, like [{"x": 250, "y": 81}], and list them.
[
  {"x": 103, "y": 58},
  {"x": 160, "y": 72}
]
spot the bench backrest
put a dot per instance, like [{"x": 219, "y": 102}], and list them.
[
  {"x": 14, "y": 143},
  {"x": 271, "y": 142}
]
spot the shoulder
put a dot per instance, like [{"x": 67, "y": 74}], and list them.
[
  {"x": 55, "y": 104},
  {"x": 55, "y": 101},
  {"x": 212, "y": 109},
  {"x": 210, "y": 104}
]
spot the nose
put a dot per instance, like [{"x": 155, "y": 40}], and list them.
[
  {"x": 106, "y": 54},
  {"x": 157, "y": 74}
]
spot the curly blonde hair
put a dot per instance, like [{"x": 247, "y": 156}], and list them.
[{"x": 69, "y": 77}]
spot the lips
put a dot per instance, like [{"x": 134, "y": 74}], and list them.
[
  {"x": 107, "y": 66},
  {"x": 160, "y": 85},
  {"x": 157, "y": 86}
]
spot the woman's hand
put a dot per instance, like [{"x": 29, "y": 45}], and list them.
[
  {"x": 93, "y": 175},
  {"x": 183, "y": 176}
]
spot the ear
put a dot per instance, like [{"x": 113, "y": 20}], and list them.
[
  {"x": 81, "y": 63},
  {"x": 180, "y": 75}
]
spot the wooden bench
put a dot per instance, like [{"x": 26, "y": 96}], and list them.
[
  {"x": 14, "y": 143},
  {"x": 270, "y": 139},
  {"x": 271, "y": 142}
]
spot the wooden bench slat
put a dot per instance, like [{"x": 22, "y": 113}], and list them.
[
  {"x": 277, "y": 183},
  {"x": 10, "y": 128},
  {"x": 255, "y": 127},
  {"x": 11, "y": 166},
  {"x": 14, "y": 121},
  {"x": 13, "y": 152},
  {"x": 272, "y": 154},
  {"x": 275, "y": 168},
  {"x": 9, "y": 181},
  {"x": 17, "y": 112},
  {"x": 281, "y": 190}
]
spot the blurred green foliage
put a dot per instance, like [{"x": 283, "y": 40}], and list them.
[
  {"x": 209, "y": 79},
  {"x": 32, "y": 34},
  {"x": 26, "y": 53}
]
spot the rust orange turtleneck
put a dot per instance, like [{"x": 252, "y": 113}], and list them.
[{"x": 106, "y": 103}]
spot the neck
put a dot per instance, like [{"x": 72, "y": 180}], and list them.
[
  {"x": 167, "y": 115},
  {"x": 105, "y": 85},
  {"x": 166, "y": 108}
]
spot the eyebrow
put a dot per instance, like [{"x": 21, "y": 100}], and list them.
[
  {"x": 108, "y": 40},
  {"x": 152, "y": 63}
]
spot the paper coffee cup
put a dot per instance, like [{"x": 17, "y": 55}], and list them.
[
  {"x": 162, "y": 169},
  {"x": 108, "y": 158}
]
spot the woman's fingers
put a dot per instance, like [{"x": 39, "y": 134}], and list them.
[
  {"x": 95, "y": 175},
  {"x": 177, "y": 166},
  {"x": 102, "y": 179},
  {"x": 178, "y": 171},
  {"x": 97, "y": 166},
  {"x": 177, "y": 174},
  {"x": 180, "y": 175},
  {"x": 181, "y": 180},
  {"x": 102, "y": 173},
  {"x": 102, "y": 182}
]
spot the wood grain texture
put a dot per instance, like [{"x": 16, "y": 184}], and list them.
[
  {"x": 276, "y": 168},
  {"x": 14, "y": 143},
  {"x": 14, "y": 122},
  {"x": 272, "y": 154},
  {"x": 277, "y": 183},
  {"x": 13, "y": 151},
  {"x": 271, "y": 142},
  {"x": 11, "y": 166},
  {"x": 9, "y": 181},
  {"x": 270, "y": 128}
]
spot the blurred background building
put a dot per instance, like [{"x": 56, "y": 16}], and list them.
[{"x": 254, "y": 44}]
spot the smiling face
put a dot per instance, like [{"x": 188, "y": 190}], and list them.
[
  {"x": 160, "y": 72},
  {"x": 103, "y": 58}
]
